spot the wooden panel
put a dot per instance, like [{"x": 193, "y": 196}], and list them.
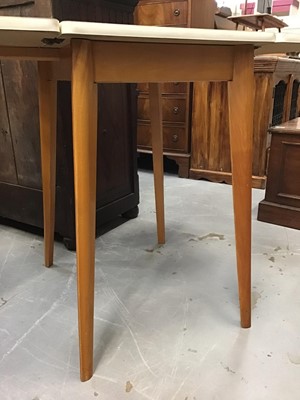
[
  {"x": 89, "y": 10},
  {"x": 21, "y": 97},
  {"x": 202, "y": 14},
  {"x": 166, "y": 88},
  {"x": 163, "y": 14},
  {"x": 262, "y": 113},
  {"x": 283, "y": 184},
  {"x": 174, "y": 109},
  {"x": 282, "y": 201},
  {"x": 210, "y": 138},
  {"x": 22, "y": 103},
  {"x": 116, "y": 61},
  {"x": 174, "y": 136},
  {"x": 7, "y": 160},
  {"x": 115, "y": 134}
]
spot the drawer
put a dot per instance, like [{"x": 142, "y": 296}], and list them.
[
  {"x": 175, "y": 137},
  {"x": 174, "y": 110},
  {"x": 167, "y": 87},
  {"x": 174, "y": 13}
]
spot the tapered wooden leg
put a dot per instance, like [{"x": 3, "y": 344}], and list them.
[
  {"x": 47, "y": 87},
  {"x": 241, "y": 94},
  {"x": 84, "y": 110},
  {"x": 157, "y": 153}
]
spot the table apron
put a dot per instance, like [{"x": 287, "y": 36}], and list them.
[{"x": 148, "y": 62}]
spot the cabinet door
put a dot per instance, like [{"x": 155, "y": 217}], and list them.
[
  {"x": 7, "y": 161},
  {"x": 24, "y": 8},
  {"x": 20, "y": 84},
  {"x": 20, "y": 93}
]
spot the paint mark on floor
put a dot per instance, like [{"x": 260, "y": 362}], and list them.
[
  {"x": 227, "y": 368},
  {"x": 294, "y": 359},
  {"x": 212, "y": 236},
  {"x": 129, "y": 387},
  {"x": 254, "y": 299},
  {"x": 193, "y": 350}
]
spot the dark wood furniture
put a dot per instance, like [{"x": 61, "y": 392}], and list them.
[
  {"x": 177, "y": 98},
  {"x": 276, "y": 100},
  {"x": 258, "y": 21},
  {"x": 281, "y": 205},
  {"x": 20, "y": 171}
]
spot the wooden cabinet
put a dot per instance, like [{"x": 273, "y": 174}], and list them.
[
  {"x": 276, "y": 79},
  {"x": 281, "y": 205},
  {"x": 20, "y": 172},
  {"x": 176, "y": 97},
  {"x": 275, "y": 100}
]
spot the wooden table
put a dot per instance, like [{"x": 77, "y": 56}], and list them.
[
  {"x": 88, "y": 53},
  {"x": 258, "y": 21}
]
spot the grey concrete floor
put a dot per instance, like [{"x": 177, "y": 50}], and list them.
[{"x": 166, "y": 318}]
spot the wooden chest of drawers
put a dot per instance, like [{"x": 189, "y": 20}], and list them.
[{"x": 177, "y": 96}]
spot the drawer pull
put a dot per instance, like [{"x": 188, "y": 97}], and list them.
[
  {"x": 176, "y": 110},
  {"x": 174, "y": 138},
  {"x": 177, "y": 12}
]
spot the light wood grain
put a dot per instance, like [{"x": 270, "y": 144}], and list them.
[
  {"x": 84, "y": 110},
  {"x": 241, "y": 131},
  {"x": 47, "y": 87},
  {"x": 125, "y": 62}
]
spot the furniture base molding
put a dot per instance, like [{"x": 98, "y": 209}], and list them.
[
  {"x": 279, "y": 214},
  {"x": 182, "y": 160},
  {"x": 258, "y": 182}
]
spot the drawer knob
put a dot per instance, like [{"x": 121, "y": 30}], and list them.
[
  {"x": 175, "y": 138},
  {"x": 175, "y": 110},
  {"x": 177, "y": 12}
]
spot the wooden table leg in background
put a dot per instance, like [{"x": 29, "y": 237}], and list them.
[
  {"x": 84, "y": 110},
  {"x": 240, "y": 92},
  {"x": 47, "y": 87},
  {"x": 157, "y": 154}
]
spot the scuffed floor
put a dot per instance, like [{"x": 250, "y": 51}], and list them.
[{"x": 166, "y": 318}]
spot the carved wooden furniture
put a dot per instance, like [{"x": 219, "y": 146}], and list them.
[
  {"x": 276, "y": 100},
  {"x": 281, "y": 204},
  {"x": 125, "y": 53},
  {"x": 176, "y": 96},
  {"x": 20, "y": 170}
]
